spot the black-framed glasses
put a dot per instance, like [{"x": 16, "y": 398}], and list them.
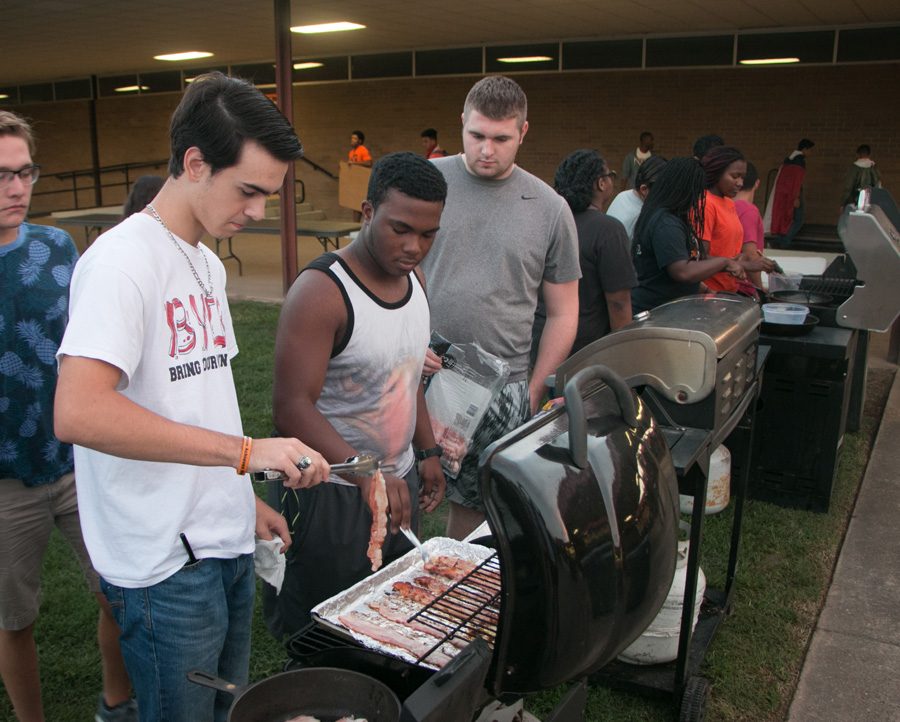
[
  {"x": 611, "y": 174},
  {"x": 28, "y": 175}
]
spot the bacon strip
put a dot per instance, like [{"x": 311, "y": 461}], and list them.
[
  {"x": 432, "y": 584},
  {"x": 413, "y": 592},
  {"x": 450, "y": 567},
  {"x": 389, "y": 633},
  {"x": 378, "y": 504}
]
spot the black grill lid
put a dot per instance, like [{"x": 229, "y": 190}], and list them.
[{"x": 587, "y": 551}]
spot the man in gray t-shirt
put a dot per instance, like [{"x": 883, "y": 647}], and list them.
[{"x": 505, "y": 236}]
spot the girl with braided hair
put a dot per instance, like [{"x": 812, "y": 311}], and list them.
[
  {"x": 587, "y": 184},
  {"x": 666, "y": 252},
  {"x": 723, "y": 234}
]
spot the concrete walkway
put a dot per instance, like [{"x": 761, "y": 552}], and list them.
[{"x": 852, "y": 668}]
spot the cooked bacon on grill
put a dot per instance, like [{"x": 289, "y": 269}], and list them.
[
  {"x": 449, "y": 567},
  {"x": 414, "y": 592},
  {"x": 394, "y": 635},
  {"x": 432, "y": 584},
  {"x": 378, "y": 504}
]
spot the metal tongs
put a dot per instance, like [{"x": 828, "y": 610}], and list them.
[
  {"x": 408, "y": 533},
  {"x": 363, "y": 464}
]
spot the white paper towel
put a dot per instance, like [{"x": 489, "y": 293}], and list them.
[{"x": 269, "y": 562}]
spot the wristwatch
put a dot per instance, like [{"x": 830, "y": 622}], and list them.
[{"x": 422, "y": 454}]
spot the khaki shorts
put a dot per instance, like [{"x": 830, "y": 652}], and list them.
[{"x": 27, "y": 517}]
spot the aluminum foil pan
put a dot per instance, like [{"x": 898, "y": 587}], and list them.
[{"x": 406, "y": 568}]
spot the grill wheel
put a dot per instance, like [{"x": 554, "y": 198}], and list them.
[{"x": 693, "y": 703}]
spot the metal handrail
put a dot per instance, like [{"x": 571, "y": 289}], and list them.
[{"x": 70, "y": 179}]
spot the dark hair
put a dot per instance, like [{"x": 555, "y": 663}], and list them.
[
  {"x": 864, "y": 149},
  {"x": 648, "y": 171},
  {"x": 678, "y": 189},
  {"x": 704, "y": 143},
  {"x": 716, "y": 162},
  {"x": 408, "y": 173},
  {"x": 751, "y": 176},
  {"x": 498, "y": 98},
  {"x": 16, "y": 125},
  {"x": 429, "y": 133},
  {"x": 218, "y": 114},
  {"x": 575, "y": 178},
  {"x": 646, "y": 134},
  {"x": 804, "y": 144},
  {"x": 359, "y": 134},
  {"x": 143, "y": 191}
]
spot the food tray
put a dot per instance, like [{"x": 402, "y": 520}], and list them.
[{"x": 405, "y": 568}]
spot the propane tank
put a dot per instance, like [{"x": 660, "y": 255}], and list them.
[
  {"x": 659, "y": 642},
  {"x": 718, "y": 490}
]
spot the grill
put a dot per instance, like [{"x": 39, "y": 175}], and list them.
[
  {"x": 814, "y": 387},
  {"x": 582, "y": 506}
]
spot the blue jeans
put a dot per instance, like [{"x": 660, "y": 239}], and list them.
[{"x": 199, "y": 618}]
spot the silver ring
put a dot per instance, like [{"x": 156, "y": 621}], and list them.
[{"x": 304, "y": 463}]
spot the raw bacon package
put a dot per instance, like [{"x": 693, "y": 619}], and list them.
[
  {"x": 459, "y": 394},
  {"x": 375, "y": 611}
]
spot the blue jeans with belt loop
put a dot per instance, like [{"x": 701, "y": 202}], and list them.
[{"x": 199, "y": 618}]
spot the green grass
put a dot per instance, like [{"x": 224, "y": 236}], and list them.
[{"x": 787, "y": 557}]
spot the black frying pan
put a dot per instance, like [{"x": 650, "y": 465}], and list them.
[
  {"x": 789, "y": 329},
  {"x": 806, "y": 298},
  {"x": 323, "y": 692}
]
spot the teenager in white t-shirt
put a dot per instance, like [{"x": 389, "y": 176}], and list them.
[{"x": 146, "y": 393}]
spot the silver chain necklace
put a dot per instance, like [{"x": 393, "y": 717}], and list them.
[{"x": 186, "y": 256}]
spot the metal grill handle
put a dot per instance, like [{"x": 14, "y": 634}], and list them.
[{"x": 575, "y": 407}]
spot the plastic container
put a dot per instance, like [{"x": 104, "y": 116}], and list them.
[
  {"x": 785, "y": 282},
  {"x": 718, "y": 490},
  {"x": 790, "y": 313},
  {"x": 659, "y": 642}
]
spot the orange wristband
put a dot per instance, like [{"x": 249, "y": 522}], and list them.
[{"x": 244, "y": 462}]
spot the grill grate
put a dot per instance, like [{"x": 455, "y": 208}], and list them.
[
  {"x": 469, "y": 609},
  {"x": 833, "y": 286}
]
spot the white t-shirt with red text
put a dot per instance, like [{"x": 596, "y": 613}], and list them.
[{"x": 135, "y": 304}]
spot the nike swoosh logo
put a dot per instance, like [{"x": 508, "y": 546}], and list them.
[{"x": 529, "y": 198}]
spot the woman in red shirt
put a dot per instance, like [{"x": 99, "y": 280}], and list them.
[{"x": 723, "y": 234}]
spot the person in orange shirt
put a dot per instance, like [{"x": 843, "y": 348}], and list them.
[
  {"x": 723, "y": 234},
  {"x": 359, "y": 154}
]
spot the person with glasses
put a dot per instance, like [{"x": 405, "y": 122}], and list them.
[
  {"x": 626, "y": 206},
  {"x": 37, "y": 484},
  {"x": 587, "y": 184}
]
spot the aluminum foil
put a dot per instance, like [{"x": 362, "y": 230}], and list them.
[{"x": 406, "y": 568}]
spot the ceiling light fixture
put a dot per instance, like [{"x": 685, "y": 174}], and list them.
[
  {"x": 525, "y": 59},
  {"x": 189, "y": 55},
  {"x": 307, "y": 66},
  {"x": 769, "y": 61},
  {"x": 338, "y": 27},
  {"x": 132, "y": 88},
  {"x": 3, "y": 96}
]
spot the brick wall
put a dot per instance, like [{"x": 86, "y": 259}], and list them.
[{"x": 763, "y": 111}]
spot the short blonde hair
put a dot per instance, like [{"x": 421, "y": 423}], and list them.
[{"x": 16, "y": 125}]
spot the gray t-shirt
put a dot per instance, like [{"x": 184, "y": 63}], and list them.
[{"x": 499, "y": 240}]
